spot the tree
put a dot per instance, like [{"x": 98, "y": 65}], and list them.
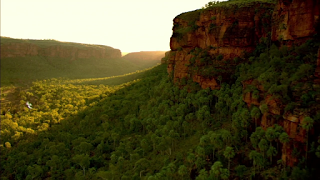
[
  {"x": 35, "y": 171},
  {"x": 264, "y": 108},
  {"x": 272, "y": 151},
  {"x": 141, "y": 165},
  {"x": 271, "y": 135},
  {"x": 191, "y": 158},
  {"x": 241, "y": 169},
  {"x": 216, "y": 142},
  {"x": 284, "y": 139},
  {"x": 145, "y": 146},
  {"x": 263, "y": 146},
  {"x": 256, "y": 158},
  {"x": 53, "y": 163},
  {"x": 226, "y": 136},
  {"x": 83, "y": 161},
  {"x": 182, "y": 171},
  {"x": 255, "y": 114},
  {"x": 229, "y": 153},
  {"x": 307, "y": 124},
  {"x": 7, "y": 145},
  {"x": 216, "y": 169},
  {"x": 84, "y": 148},
  {"x": 203, "y": 175}
]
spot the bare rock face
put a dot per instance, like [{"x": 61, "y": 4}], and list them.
[
  {"x": 228, "y": 31},
  {"x": 295, "y": 20},
  {"x": 22, "y": 49},
  {"x": 18, "y": 50}
]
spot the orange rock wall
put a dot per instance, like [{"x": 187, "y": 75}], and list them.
[
  {"x": 295, "y": 20},
  {"x": 61, "y": 51},
  {"x": 228, "y": 31}
]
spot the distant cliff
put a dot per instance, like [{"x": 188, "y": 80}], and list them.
[
  {"x": 145, "y": 55},
  {"x": 51, "y": 48}
]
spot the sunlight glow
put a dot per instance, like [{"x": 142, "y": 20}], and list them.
[{"x": 141, "y": 25}]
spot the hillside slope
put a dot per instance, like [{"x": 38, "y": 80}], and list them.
[
  {"x": 23, "y": 61},
  {"x": 274, "y": 44}
]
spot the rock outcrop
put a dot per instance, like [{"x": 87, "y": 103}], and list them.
[
  {"x": 22, "y": 48},
  {"x": 228, "y": 31},
  {"x": 235, "y": 30},
  {"x": 294, "y": 21}
]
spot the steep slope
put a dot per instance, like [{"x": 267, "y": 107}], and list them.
[{"x": 209, "y": 45}]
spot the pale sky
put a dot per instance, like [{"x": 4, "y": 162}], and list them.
[{"x": 128, "y": 25}]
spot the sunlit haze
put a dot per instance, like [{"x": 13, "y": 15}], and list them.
[{"x": 141, "y": 25}]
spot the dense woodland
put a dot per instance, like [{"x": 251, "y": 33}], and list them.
[
  {"x": 144, "y": 125},
  {"x": 153, "y": 128}
]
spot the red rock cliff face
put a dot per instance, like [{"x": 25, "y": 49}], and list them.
[
  {"x": 61, "y": 51},
  {"x": 229, "y": 31},
  {"x": 295, "y": 20}
]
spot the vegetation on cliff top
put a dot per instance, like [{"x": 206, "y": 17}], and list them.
[{"x": 50, "y": 42}]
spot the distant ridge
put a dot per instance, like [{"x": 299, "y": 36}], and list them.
[{"x": 11, "y": 47}]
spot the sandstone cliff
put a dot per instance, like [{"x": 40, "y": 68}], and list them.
[
  {"x": 295, "y": 21},
  {"x": 223, "y": 34},
  {"x": 234, "y": 30},
  {"x": 229, "y": 31},
  {"x": 50, "y": 48}
]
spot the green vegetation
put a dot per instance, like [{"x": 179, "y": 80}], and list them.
[
  {"x": 145, "y": 126},
  {"x": 50, "y": 42},
  {"x": 24, "y": 70},
  {"x": 151, "y": 129},
  {"x": 238, "y": 3}
]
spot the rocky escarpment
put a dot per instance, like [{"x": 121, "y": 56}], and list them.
[
  {"x": 295, "y": 21},
  {"x": 49, "y": 48},
  {"x": 219, "y": 37},
  {"x": 235, "y": 29},
  {"x": 228, "y": 31}
]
